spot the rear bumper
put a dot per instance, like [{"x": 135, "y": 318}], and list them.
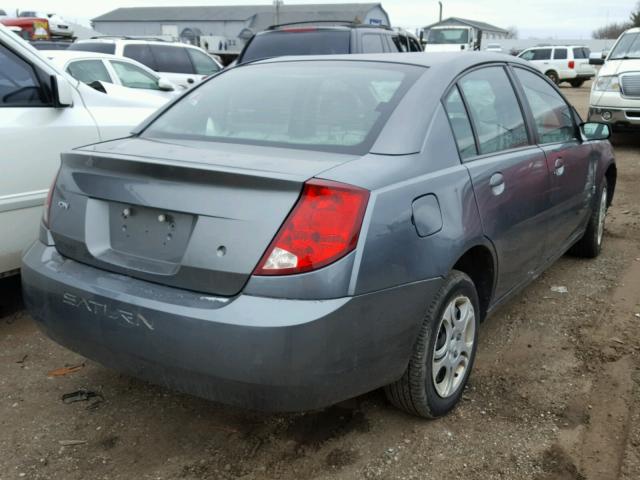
[
  {"x": 254, "y": 352},
  {"x": 618, "y": 117}
]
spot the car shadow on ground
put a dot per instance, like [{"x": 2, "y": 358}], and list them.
[{"x": 10, "y": 296}]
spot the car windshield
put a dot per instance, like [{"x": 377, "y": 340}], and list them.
[
  {"x": 297, "y": 42},
  {"x": 448, "y": 35},
  {"x": 97, "y": 47},
  {"x": 327, "y": 106},
  {"x": 627, "y": 47}
]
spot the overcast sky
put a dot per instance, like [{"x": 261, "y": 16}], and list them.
[{"x": 534, "y": 18}]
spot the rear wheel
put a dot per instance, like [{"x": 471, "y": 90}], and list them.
[
  {"x": 577, "y": 83},
  {"x": 590, "y": 245},
  {"x": 444, "y": 352},
  {"x": 553, "y": 76}
]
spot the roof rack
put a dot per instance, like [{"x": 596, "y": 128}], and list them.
[
  {"x": 128, "y": 37},
  {"x": 348, "y": 23}
]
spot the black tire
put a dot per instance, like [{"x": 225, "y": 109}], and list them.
[
  {"x": 553, "y": 76},
  {"x": 415, "y": 392},
  {"x": 576, "y": 83},
  {"x": 590, "y": 245}
]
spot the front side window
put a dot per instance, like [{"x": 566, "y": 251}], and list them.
[
  {"x": 134, "y": 77},
  {"x": 19, "y": 85},
  {"x": 460, "y": 124},
  {"x": 88, "y": 71},
  {"x": 171, "y": 59},
  {"x": 327, "y": 106},
  {"x": 552, "y": 115},
  {"x": 494, "y": 109},
  {"x": 203, "y": 64},
  {"x": 372, "y": 43},
  {"x": 560, "y": 54},
  {"x": 528, "y": 55}
]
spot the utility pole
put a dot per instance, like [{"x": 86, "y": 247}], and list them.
[
  {"x": 440, "y": 18},
  {"x": 276, "y": 4}
]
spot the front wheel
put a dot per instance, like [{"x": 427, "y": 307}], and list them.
[
  {"x": 590, "y": 245},
  {"x": 443, "y": 354}
]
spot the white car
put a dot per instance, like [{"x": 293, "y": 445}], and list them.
[
  {"x": 58, "y": 26},
  {"x": 562, "y": 63},
  {"x": 43, "y": 112},
  {"x": 91, "y": 67},
  {"x": 183, "y": 64},
  {"x": 615, "y": 94}
]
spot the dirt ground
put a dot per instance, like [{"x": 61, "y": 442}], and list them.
[{"x": 555, "y": 395}]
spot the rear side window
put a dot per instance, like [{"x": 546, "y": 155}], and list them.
[
  {"x": 97, "y": 47},
  {"x": 19, "y": 85},
  {"x": 88, "y": 71},
  {"x": 327, "y": 106},
  {"x": 580, "y": 53},
  {"x": 372, "y": 43},
  {"x": 203, "y": 64},
  {"x": 141, "y": 53},
  {"x": 552, "y": 115},
  {"x": 495, "y": 110},
  {"x": 560, "y": 54},
  {"x": 460, "y": 124},
  {"x": 171, "y": 59},
  {"x": 314, "y": 42}
]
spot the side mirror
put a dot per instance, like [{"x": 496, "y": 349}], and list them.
[
  {"x": 165, "y": 85},
  {"x": 62, "y": 91},
  {"x": 595, "y": 131},
  {"x": 596, "y": 61}
]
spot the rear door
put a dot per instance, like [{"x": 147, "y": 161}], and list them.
[
  {"x": 508, "y": 172},
  {"x": 570, "y": 163}
]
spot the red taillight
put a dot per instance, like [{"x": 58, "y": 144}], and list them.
[
  {"x": 47, "y": 203},
  {"x": 322, "y": 227},
  {"x": 572, "y": 64}
]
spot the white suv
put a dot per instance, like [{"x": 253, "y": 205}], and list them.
[
  {"x": 615, "y": 95},
  {"x": 566, "y": 63},
  {"x": 180, "y": 63}
]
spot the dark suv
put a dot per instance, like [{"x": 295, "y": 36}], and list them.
[{"x": 313, "y": 39}]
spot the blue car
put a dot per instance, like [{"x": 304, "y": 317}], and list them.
[{"x": 298, "y": 231}]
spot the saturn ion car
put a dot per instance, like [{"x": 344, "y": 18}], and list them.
[{"x": 298, "y": 231}]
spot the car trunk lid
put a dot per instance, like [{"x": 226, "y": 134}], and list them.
[{"x": 137, "y": 207}]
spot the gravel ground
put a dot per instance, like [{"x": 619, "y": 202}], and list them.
[{"x": 554, "y": 395}]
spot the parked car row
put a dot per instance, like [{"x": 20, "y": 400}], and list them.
[{"x": 295, "y": 231}]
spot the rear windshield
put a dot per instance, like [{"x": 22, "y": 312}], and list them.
[
  {"x": 441, "y": 36},
  {"x": 98, "y": 47},
  {"x": 327, "y": 106},
  {"x": 315, "y": 42},
  {"x": 627, "y": 47}
]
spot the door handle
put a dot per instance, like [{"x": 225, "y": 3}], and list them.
[
  {"x": 559, "y": 167},
  {"x": 496, "y": 182}
]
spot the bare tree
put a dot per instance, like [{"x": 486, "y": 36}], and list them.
[
  {"x": 513, "y": 32},
  {"x": 611, "y": 31},
  {"x": 635, "y": 16}
]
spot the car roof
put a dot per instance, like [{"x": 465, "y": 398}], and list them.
[
  {"x": 74, "y": 54},
  {"x": 453, "y": 60},
  {"x": 322, "y": 25},
  {"x": 136, "y": 40}
]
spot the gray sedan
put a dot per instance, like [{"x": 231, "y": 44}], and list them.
[{"x": 298, "y": 231}]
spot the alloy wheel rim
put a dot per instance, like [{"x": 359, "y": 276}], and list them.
[
  {"x": 452, "y": 351},
  {"x": 602, "y": 213}
]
